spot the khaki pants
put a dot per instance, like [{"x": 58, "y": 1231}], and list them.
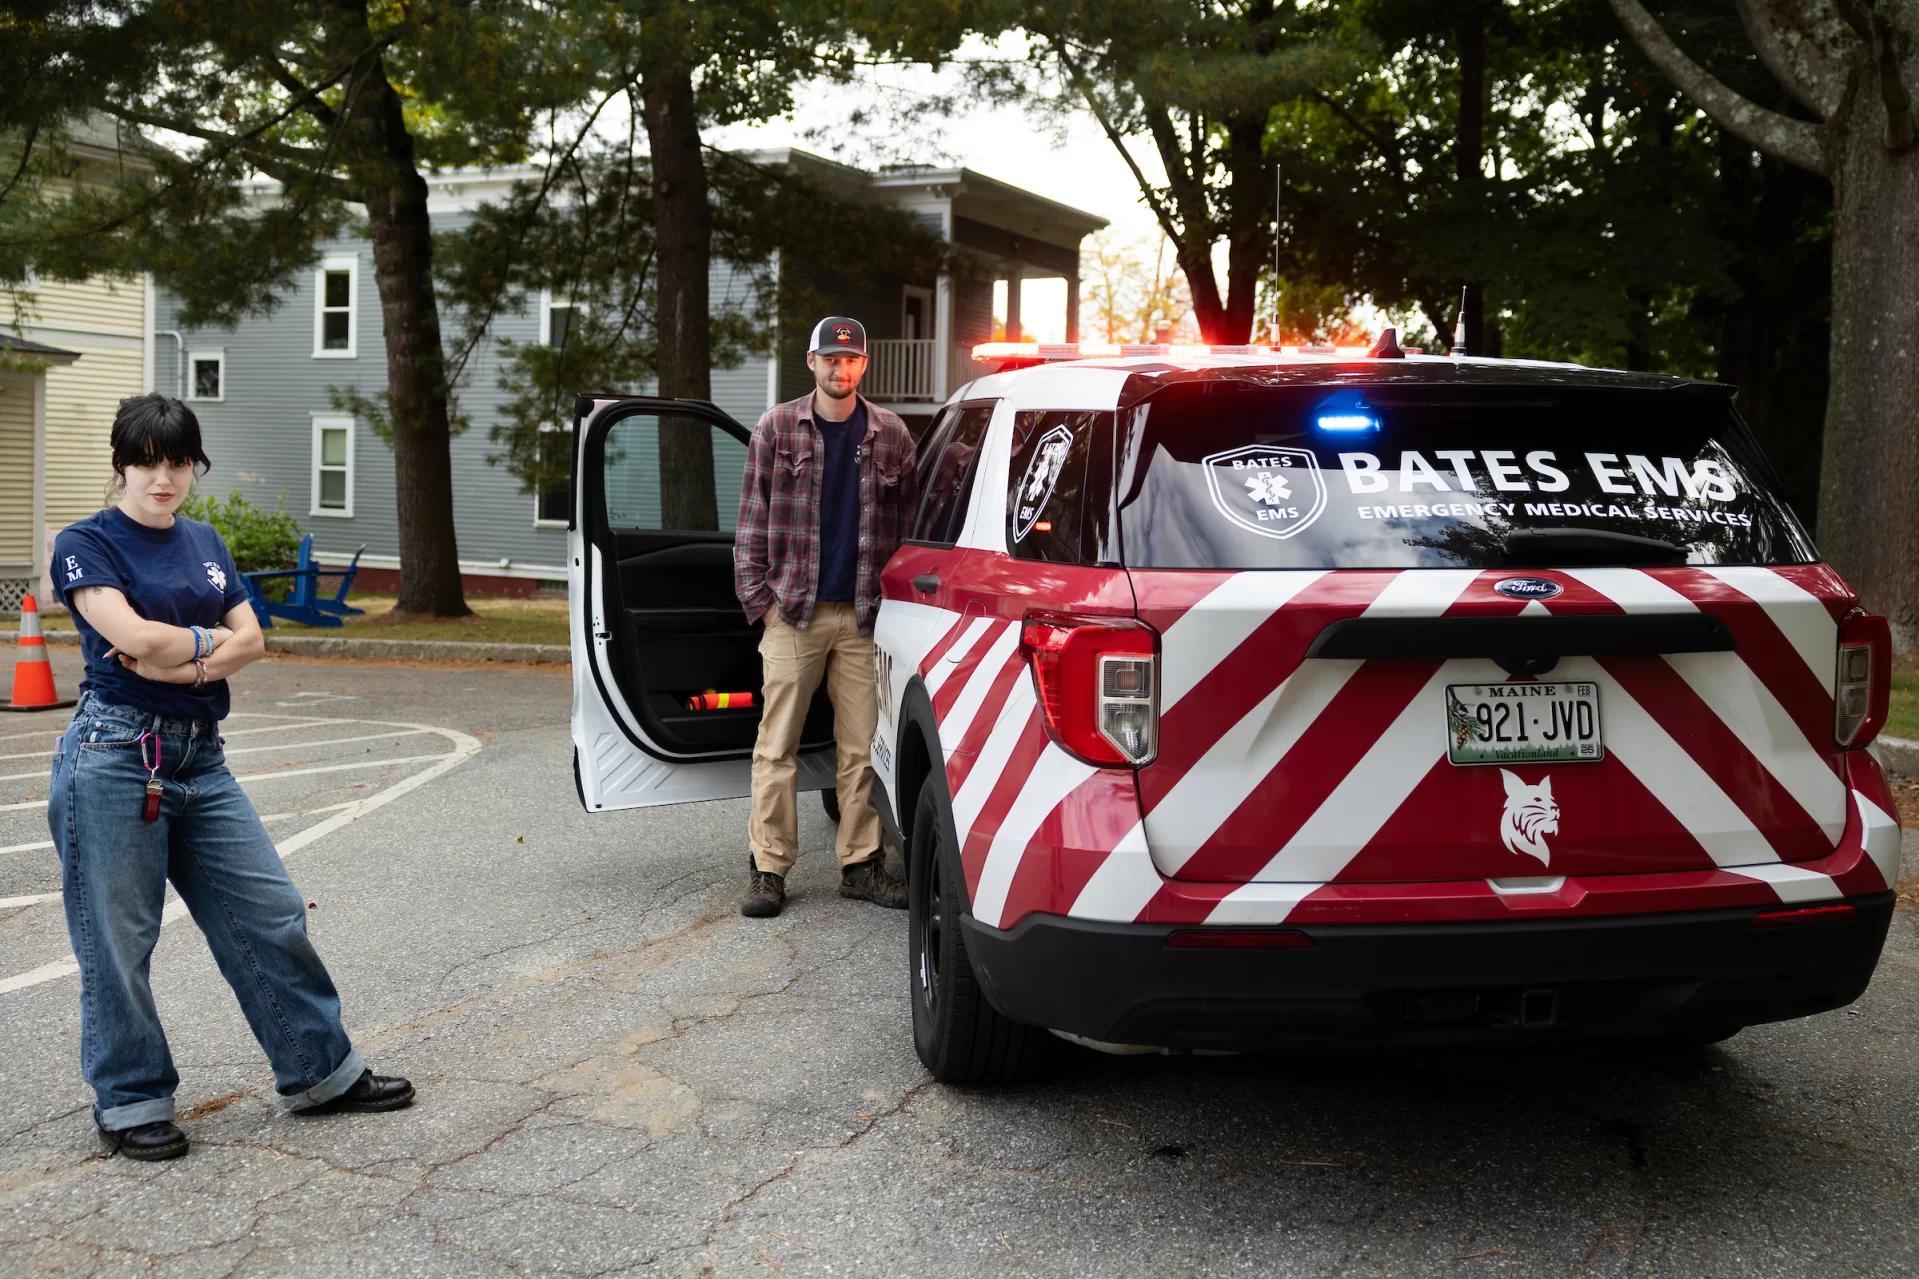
[{"x": 794, "y": 662}]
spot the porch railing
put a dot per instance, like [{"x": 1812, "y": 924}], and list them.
[{"x": 900, "y": 369}]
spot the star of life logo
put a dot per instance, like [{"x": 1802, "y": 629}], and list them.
[
  {"x": 1274, "y": 492},
  {"x": 1531, "y": 814},
  {"x": 1042, "y": 476},
  {"x": 216, "y": 575}
]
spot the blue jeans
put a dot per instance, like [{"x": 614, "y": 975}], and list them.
[{"x": 208, "y": 840}]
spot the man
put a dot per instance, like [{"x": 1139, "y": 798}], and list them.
[{"x": 828, "y": 494}]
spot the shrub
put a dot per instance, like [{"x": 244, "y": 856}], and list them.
[{"x": 257, "y": 539}]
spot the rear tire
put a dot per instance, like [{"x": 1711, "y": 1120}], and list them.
[
  {"x": 830, "y": 801},
  {"x": 960, "y": 1037}
]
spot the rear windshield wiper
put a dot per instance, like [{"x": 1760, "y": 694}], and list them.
[{"x": 1585, "y": 547}]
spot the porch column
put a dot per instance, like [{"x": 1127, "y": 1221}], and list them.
[
  {"x": 1012, "y": 304},
  {"x": 1072, "y": 307},
  {"x": 945, "y": 376}
]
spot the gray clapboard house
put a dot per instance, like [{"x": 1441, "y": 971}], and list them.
[{"x": 260, "y": 389}]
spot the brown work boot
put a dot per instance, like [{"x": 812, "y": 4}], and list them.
[
  {"x": 870, "y": 881},
  {"x": 765, "y": 892}
]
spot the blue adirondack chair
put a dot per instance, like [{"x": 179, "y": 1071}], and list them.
[{"x": 305, "y": 603}]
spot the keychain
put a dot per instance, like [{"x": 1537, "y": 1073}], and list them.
[{"x": 151, "y": 813}]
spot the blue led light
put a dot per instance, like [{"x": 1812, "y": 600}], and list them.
[{"x": 1345, "y": 411}]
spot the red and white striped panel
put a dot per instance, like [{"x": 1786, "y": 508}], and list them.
[{"x": 1320, "y": 790}]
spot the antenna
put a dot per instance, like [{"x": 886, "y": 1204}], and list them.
[
  {"x": 1279, "y": 301},
  {"x": 1459, "y": 328}
]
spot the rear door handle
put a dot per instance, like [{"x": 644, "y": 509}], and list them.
[{"x": 926, "y": 583}]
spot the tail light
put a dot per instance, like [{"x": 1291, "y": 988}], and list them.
[
  {"x": 1864, "y": 688},
  {"x": 1098, "y": 685}
]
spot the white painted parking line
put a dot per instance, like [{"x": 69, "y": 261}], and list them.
[
  {"x": 45, "y": 732},
  {"x": 27, "y": 848},
  {"x": 14, "y": 903},
  {"x": 238, "y": 732},
  {"x": 465, "y": 746},
  {"x": 263, "y": 774},
  {"x": 266, "y": 774},
  {"x": 330, "y": 741}
]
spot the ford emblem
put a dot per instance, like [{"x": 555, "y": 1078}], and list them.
[{"x": 1527, "y": 588}]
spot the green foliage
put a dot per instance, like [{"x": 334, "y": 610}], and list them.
[
  {"x": 257, "y": 539},
  {"x": 592, "y": 246}
]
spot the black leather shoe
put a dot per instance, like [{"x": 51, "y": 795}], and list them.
[
  {"x": 150, "y": 1142},
  {"x": 369, "y": 1093}
]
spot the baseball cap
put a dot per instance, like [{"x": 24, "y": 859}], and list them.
[{"x": 838, "y": 335}]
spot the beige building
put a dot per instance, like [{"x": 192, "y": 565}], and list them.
[{"x": 102, "y": 330}]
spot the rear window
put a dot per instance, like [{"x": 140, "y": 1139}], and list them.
[{"x": 1227, "y": 475}]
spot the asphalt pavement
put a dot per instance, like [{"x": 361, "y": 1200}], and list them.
[{"x": 618, "y": 1075}]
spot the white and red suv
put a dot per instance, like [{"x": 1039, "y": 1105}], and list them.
[{"x": 1260, "y": 702}]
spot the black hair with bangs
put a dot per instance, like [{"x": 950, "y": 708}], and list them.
[{"x": 150, "y": 429}]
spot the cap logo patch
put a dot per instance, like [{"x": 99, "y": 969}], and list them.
[{"x": 842, "y": 334}]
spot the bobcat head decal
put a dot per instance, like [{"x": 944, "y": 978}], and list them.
[{"x": 1531, "y": 815}]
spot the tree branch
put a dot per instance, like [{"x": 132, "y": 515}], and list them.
[
  {"x": 1804, "y": 68},
  {"x": 310, "y": 100},
  {"x": 1879, "y": 34},
  {"x": 1793, "y": 141},
  {"x": 1160, "y": 213}
]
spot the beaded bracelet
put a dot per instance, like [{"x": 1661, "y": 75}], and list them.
[
  {"x": 199, "y": 681},
  {"x": 202, "y": 642}
]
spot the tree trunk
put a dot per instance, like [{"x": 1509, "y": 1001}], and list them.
[
  {"x": 417, "y": 410},
  {"x": 683, "y": 229},
  {"x": 1869, "y": 477}
]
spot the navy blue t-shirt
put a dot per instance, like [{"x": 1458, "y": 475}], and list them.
[
  {"x": 840, "y": 505},
  {"x": 180, "y": 575}
]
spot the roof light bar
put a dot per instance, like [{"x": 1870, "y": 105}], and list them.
[{"x": 1049, "y": 351}]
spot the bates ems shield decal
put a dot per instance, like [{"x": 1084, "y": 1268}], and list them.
[
  {"x": 1275, "y": 492},
  {"x": 1042, "y": 474}
]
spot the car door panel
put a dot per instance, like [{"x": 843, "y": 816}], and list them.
[{"x": 656, "y": 621}]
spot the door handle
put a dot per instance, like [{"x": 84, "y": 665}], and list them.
[{"x": 926, "y": 583}]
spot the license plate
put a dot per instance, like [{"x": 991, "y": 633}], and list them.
[{"x": 1522, "y": 723}]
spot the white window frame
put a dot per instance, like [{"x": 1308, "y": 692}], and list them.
[
  {"x": 550, "y": 302},
  {"x": 193, "y": 385},
  {"x": 332, "y": 422},
  {"x": 350, "y": 263},
  {"x": 550, "y": 428}
]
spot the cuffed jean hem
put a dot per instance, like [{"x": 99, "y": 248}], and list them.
[
  {"x": 327, "y": 1089},
  {"x": 152, "y": 1111}
]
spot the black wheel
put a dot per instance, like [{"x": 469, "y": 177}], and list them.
[
  {"x": 830, "y": 801},
  {"x": 960, "y": 1037}
]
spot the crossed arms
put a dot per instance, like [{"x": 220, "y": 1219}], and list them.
[{"x": 164, "y": 653}]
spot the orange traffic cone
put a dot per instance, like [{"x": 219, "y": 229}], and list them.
[{"x": 32, "y": 673}]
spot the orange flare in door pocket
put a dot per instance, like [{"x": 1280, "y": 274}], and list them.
[{"x": 719, "y": 701}]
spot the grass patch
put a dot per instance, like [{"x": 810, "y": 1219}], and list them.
[
  {"x": 495, "y": 621},
  {"x": 1903, "y": 721}
]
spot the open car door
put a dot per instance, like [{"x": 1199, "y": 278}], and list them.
[{"x": 661, "y": 650}]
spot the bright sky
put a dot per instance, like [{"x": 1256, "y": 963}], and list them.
[{"x": 1082, "y": 169}]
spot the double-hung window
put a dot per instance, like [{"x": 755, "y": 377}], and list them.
[
  {"x": 553, "y": 506},
  {"x": 336, "y": 309},
  {"x": 207, "y": 375},
  {"x": 332, "y": 465}
]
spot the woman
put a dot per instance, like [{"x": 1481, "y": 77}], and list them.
[{"x": 141, "y": 795}]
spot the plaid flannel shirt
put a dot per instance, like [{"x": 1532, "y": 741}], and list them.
[{"x": 776, "y": 548}]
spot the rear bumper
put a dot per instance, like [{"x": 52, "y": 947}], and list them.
[{"x": 1362, "y": 985}]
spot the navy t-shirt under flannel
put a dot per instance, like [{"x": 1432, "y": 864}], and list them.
[
  {"x": 840, "y": 505},
  {"x": 181, "y": 575}
]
